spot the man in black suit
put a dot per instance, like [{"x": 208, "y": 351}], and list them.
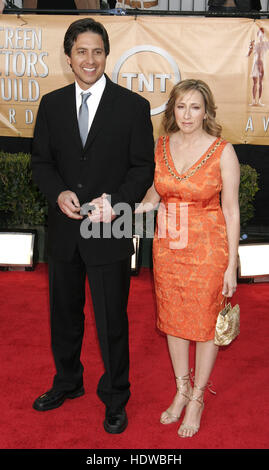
[{"x": 115, "y": 165}]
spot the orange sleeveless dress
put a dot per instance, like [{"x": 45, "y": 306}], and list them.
[{"x": 190, "y": 248}]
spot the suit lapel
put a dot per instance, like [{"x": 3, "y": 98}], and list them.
[
  {"x": 103, "y": 113},
  {"x": 72, "y": 120}
]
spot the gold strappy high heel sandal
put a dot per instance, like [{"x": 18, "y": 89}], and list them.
[
  {"x": 189, "y": 430},
  {"x": 184, "y": 389}
]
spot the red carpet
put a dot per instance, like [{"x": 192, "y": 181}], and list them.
[{"x": 236, "y": 418}]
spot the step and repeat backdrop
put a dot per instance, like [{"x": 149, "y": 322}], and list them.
[{"x": 148, "y": 55}]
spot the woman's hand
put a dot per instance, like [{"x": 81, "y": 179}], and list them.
[{"x": 229, "y": 282}]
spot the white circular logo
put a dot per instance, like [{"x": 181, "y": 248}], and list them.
[{"x": 156, "y": 50}]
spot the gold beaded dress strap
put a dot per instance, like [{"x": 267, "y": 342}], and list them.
[{"x": 192, "y": 172}]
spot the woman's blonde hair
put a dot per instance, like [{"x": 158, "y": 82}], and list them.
[{"x": 209, "y": 124}]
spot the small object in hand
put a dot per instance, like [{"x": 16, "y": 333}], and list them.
[{"x": 86, "y": 208}]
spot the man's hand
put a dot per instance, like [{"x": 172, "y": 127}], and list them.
[
  {"x": 103, "y": 211},
  {"x": 69, "y": 204}
]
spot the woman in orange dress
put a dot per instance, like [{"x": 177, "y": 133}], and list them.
[{"x": 196, "y": 239}]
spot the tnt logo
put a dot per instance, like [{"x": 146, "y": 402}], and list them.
[{"x": 148, "y": 74}]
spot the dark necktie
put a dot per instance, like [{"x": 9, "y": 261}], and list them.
[{"x": 83, "y": 118}]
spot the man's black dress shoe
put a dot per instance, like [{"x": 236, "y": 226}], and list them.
[
  {"x": 53, "y": 398},
  {"x": 116, "y": 423}
]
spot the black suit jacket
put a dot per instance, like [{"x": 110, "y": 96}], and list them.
[{"x": 118, "y": 159}]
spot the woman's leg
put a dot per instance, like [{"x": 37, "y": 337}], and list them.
[
  {"x": 179, "y": 353},
  {"x": 254, "y": 90},
  {"x": 260, "y": 84},
  {"x": 206, "y": 353}
]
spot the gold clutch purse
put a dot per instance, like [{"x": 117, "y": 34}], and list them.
[{"x": 228, "y": 324}]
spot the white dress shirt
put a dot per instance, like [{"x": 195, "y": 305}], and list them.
[{"x": 93, "y": 101}]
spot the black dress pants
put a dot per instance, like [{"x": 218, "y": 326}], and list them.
[{"x": 109, "y": 285}]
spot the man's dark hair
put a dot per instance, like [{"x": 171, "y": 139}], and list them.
[{"x": 82, "y": 26}]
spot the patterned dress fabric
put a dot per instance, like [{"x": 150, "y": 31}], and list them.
[{"x": 190, "y": 248}]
